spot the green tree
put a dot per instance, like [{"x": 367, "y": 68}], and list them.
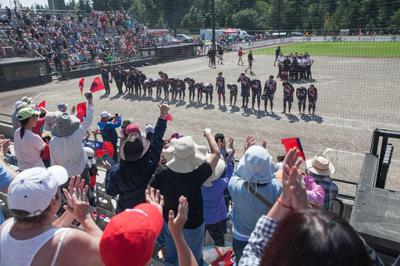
[
  {"x": 71, "y": 5},
  {"x": 263, "y": 14},
  {"x": 173, "y": 12},
  {"x": 84, "y": 6},
  {"x": 193, "y": 19},
  {"x": 395, "y": 20},
  {"x": 277, "y": 20},
  {"x": 245, "y": 19}
]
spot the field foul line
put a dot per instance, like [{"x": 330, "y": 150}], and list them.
[{"x": 327, "y": 150}]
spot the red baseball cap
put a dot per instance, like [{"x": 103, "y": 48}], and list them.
[
  {"x": 131, "y": 128},
  {"x": 130, "y": 236}
]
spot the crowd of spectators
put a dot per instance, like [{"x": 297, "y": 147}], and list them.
[
  {"x": 170, "y": 192},
  {"x": 71, "y": 39}
]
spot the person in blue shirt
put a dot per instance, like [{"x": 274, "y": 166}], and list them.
[
  {"x": 252, "y": 184},
  {"x": 108, "y": 126}
]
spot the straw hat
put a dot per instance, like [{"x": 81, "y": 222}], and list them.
[
  {"x": 320, "y": 165},
  {"x": 186, "y": 155}
]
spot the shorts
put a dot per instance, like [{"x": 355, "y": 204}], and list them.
[
  {"x": 220, "y": 90},
  {"x": 268, "y": 97}
]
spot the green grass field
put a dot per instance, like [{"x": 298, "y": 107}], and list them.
[{"x": 344, "y": 49}]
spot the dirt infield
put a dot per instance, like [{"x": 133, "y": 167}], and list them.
[{"x": 356, "y": 95}]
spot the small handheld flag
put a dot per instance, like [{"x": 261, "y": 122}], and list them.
[
  {"x": 81, "y": 110},
  {"x": 97, "y": 85},
  {"x": 289, "y": 143}
]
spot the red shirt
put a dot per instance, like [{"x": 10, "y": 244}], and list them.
[
  {"x": 46, "y": 153},
  {"x": 240, "y": 53},
  {"x": 38, "y": 128}
]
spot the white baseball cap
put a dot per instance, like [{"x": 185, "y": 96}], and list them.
[
  {"x": 149, "y": 128},
  {"x": 105, "y": 114},
  {"x": 33, "y": 190}
]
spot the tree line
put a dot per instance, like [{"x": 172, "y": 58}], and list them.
[{"x": 293, "y": 15}]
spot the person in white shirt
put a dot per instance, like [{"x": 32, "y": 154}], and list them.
[
  {"x": 66, "y": 148},
  {"x": 28, "y": 145},
  {"x": 33, "y": 236}
]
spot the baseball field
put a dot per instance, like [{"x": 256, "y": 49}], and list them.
[{"x": 356, "y": 95}]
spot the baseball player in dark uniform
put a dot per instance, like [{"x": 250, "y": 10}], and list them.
[
  {"x": 301, "y": 94},
  {"x": 118, "y": 78},
  {"x": 200, "y": 87},
  {"x": 245, "y": 92},
  {"x": 136, "y": 83},
  {"x": 288, "y": 91},
  {"x": 106, "y": 78},
  {"x": 192, "y": 89},
  {"x": 233, "y": 93},
  {"x": 208, "y": 91},
  {"x": 269, "y": 92},
  {"x": 181, "y": 88},
  {"x": 220, "y": 85},
  {"x": 164, "y": 83},
  {"x": 131, "y": 77},
  {"x": 255, "y": 93},
  {"x": 173, "y": 87},
  {"x": 250, "y": 60},
  {"x": 124, "y": 77},
  {"x": 312, "y": 98},
  {"x": 158, "y": 85},
  {"x": 148, "y": 87}
]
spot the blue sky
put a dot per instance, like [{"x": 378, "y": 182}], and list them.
[{"x": 23, "y": 2}]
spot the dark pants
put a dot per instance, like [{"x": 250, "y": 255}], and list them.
[
  {"x": 107, "y": 86},
  {"x": 245, "y": 101},
  {"x": 158, "y": 91},
  {"x": 166, "y": 92},
  {"x": 199, "y": 96},
  {"x": 238, "y": 247},
  {"x": 311, "y": 106},
  {"x": 119, "y": 86},
  {"x": 233, "y": 99},
  {"x": 217, "y": 232},
  {"x": 302, "y": 105},
  {"x": 253, "y": 100},
  {"x": 289, "y": 104},
  {"x": 191, "y": 94}
]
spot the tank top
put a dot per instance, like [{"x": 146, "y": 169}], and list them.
[{"x": 11, "y": 248}]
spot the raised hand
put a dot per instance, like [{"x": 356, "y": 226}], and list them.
[
  {"x": 78, "y": 204},
  {"x": 249, "y": 142},
  {"x": 294, "y": 193},
  {"x": 230, "y": 143},
  {"x": 164, "y": 109},
  {"x": 176, "y": 224},
  {"x": 154, "y": 197},
  {"x": 206, "y": 131}
]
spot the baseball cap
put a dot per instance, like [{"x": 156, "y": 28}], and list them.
[
  {"x": 32, "y": 190},
  {"x": 105, "y": 114},
  {"x": 27, "y": 112},
  {"x": 131, "y": 235},
  {"x": 131, "y": 128},
  {"x": 61, "y": 106},
  {"x": 149, "y": 128}
]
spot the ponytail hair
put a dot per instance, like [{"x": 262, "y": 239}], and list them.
[{"x": 23, "y": 124}]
